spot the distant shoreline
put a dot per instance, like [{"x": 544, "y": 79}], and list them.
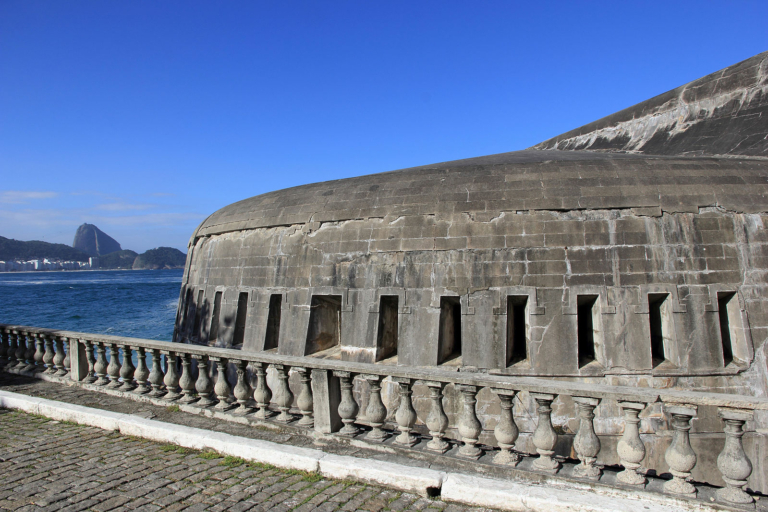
[{"x": 85, "y": 270}]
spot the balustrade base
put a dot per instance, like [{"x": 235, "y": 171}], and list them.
[
  {"x": 224, "y": 406},
  {"x": 471, "y": 453},
  {"x": 734, "y": 496},
  {"x": 507, "y": 458}
]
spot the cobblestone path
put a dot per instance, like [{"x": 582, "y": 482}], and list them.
[{"x": 49, "y": 465}]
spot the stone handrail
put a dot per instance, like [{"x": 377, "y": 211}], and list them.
[{"x": 32, "y": 351}]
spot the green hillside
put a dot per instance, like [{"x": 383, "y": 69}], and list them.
[
  {"x": 118, "y": 259},
  {"x": 162, "y": 257},
  {"x": 11, "y": 249}
]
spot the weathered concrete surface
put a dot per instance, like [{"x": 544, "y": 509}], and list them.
[{"x": 719, "y": 114}]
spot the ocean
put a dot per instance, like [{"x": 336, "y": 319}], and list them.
[{"x": 135, "y": 303}]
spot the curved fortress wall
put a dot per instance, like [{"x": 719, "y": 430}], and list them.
[{"x": 587, "y": 265}]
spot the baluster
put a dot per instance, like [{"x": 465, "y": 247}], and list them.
[
  {"x": 469, "y": 425},
  {"x": 49, "y": 355},
  {"x": 100, "y": 368},
  {"x": 680, "y": 456},
  {"x": 58, "y": 358},
  {"x": 171, "y": 379},
  {"x": 142, "y": 372},
  {"x": 506, "y": 430},
  {"x": 91, "y": 376},
  {"x": 733, "y": 463},
  {"x": 348, "y": 407},
  {"x": 8, "y": 347},
  {"x": 376, "y": 412},
  {"x": 21, "y": 351},
  {"x": 156, "y": 375},
  {"x": 406, "y": 414},
  {"x": 222, "y": 387},
  {"x": 18, "y": 341},
  {"x": 113, "y": 369},
  {"x": 3, "y": 348},
  {"x": 437, "y": 420},
  {"x": 39, "y": 353},
  {"x": 586, "y": 442},
  {"x": 204, "y": 384},
  {"x": 29, "y": 354},
  {"x": 304, "y": 401},
  {"x": 242, "y": 388},
  {"x": 187, "y": 384},
  {"x": 25, "y": 339},
  {"x": 13, "y": 345},
  {"x": 283, "y": 395},
  {"x": 127, "y": 369},
  {"x": 262, "y": 394},
  {"x": 545, "y": 437},
  {"x": 630, "y": 448},
  {"x": 68, "y": 348}
]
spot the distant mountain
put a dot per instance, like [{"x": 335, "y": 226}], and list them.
[
  {"x": 11, "y": 250},
  {"x": 162, "y": 257},
  {"x": 91, "y": 240},
  {"x": 118, "y": 259}
]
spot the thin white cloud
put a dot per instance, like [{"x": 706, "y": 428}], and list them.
[
  {"x": 124, "y": 207},
  {"x": 24, "y": 196}
]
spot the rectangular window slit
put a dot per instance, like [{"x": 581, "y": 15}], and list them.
[
  {"x": 517, "y": 329},
  {"x": 198, "y": 313},
  {"x": 187, "y": 304},
  {"x": 273, "y": 321},
  {"x": 242, "y": 314},
  {"x": 657, "y": 311},
  {"x": 386, "y": 342},
  {"x": 215, "y": 317},
  {"x": 586, "y": 305},
  {"x": 724, "y": 303},
  {"x": 449, "y": 335},
  {"x": 324, "y": 323}
]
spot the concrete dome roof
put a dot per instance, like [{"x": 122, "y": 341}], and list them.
[{"x": 522, "y": 180}]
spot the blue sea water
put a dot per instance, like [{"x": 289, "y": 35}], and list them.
[{"x": 135, "y": 303}]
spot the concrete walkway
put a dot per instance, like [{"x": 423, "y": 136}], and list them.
[{"x": 50, "y": 465}]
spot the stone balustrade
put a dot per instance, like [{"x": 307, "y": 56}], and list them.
[{"x": 323, "y": 400}]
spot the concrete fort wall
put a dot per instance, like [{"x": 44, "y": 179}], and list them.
[{"x": 547, "y": 263}]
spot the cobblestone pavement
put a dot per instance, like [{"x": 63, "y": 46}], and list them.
[{"x": 50, "y": 465}]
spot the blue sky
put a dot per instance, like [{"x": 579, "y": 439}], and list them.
[{"x": 144, "y": 117}]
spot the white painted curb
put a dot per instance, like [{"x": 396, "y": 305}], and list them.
[
  {"x": 510, "y": 495},
  {"x": 405, "y": 478}
]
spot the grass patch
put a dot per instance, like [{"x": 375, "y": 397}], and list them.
[
  {"x": 307, "y": 476},
  {"x": 172, "y": 448},
  {"x": 312, "y": 477},
  {"x": 173, "y": 408},
  {"x": 209, "y": 455},
  {"x": 260, "y": 465},
  {"x": 232, "y": 462}
]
